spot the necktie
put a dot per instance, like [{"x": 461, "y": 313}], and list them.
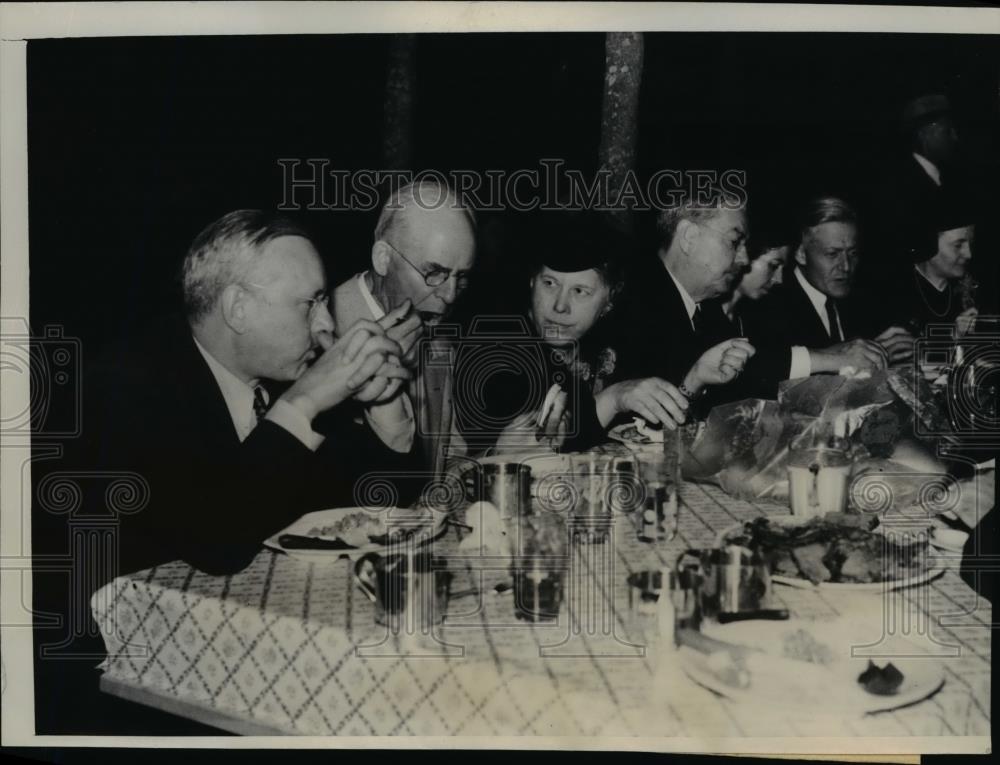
[
  {"x": 700, "y": 322},
  {"x": 831, "y": 316},
  {"x": 259, "y": 403}
]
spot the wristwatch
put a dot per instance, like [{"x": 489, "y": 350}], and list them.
[{"x": 687, "y": 393}]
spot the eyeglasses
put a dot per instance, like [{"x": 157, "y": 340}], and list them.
[
  {"x": 436, "y": 277},
  {"x": 323, "y": 299}
]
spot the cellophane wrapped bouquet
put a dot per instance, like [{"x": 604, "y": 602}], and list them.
[{"x": 744, "y": 446}]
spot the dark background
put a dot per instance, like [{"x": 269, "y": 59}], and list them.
[{"x": 135, "y": 144}]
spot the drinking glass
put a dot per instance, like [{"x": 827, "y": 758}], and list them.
[{"x": 659, "y": 472}]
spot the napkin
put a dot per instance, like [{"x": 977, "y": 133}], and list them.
[{"x": 489, "y": 532}]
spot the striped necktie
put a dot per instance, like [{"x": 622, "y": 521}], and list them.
[{"x": 259, "y": 403}]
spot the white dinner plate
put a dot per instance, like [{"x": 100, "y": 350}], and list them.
[
  {"x": 933, "y": 570},
  {"x": 828, "y": 682},
  {"x": 377, "y": 521}
]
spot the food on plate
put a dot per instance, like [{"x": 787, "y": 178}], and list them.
[
  {"x": 639, "y": 433},
  {"x": 882, "y": 681},
  {"x": 362, "y": 527},
  {"x": 836, "y": 548},
  {"x": 647, "y": 432},
  {"x": 351, "y": 526}
]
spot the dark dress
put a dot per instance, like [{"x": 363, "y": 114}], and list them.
[
  {"x": 921, "y": 303},
  {"x": 504, "y": 372}
]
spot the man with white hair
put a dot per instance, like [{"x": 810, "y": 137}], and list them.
[
  {"x": 187, "y": 406},
  {"x": 421, "y": 258}
]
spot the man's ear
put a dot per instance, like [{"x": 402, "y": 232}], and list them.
[
  {"x": 800, "y": 255},
  {"x": 687, "y": 235},
  {"x": 233, "y": 302},
  {"x": 380, "y": 258}
]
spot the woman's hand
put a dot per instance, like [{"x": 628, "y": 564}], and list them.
[
  {"x": 525, "y": 434},
  {"x": 651, "y": 398},
  {"x": 965, "y": 321},
  {"x": 719, "y": 364}
]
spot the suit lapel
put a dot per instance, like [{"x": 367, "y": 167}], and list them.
[
  {"x": 194, "y": 385},
  {"x": 813, "y": 332}
]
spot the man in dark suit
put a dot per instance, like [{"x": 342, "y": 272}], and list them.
[
  {"x": 907, "y": 197},
  {"x": 187, "y": 408},
  {"x": 669, "y": 326},
  {"x": 808, "y": 313}
]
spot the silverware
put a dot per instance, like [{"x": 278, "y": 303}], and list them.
[{"x": 299, "y": 542}]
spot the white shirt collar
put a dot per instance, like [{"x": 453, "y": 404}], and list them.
[
  {"x": 237, "y": 394},
  {"x": 377, "y": 311},
  {"x": 929, "y": 167},
  {"x": 689, "y": 305},
  {"x": 817, "y": 298}
]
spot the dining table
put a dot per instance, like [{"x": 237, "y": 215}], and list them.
[{"x": 291, "y": 646}]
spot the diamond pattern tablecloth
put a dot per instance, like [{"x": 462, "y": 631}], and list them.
[{"x": 294, "y": 646}]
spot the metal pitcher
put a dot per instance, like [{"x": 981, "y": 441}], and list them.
[
  {"x": 507, "y": 485},
  {"x": 728, "y": 584}
]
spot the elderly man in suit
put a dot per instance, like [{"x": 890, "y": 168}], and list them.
[
  {"x": 808, "y": 313},
  {"x": 424, "y": 250},
  {"x": 914, "y": 190},
  {"x": 190, "y": 405},
  {"x": 670, "y": 325}
]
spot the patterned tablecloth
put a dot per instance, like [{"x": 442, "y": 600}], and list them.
[{"x": 294, "y": 646}]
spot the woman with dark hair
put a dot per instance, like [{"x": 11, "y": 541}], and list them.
[
  {"x": 940, "y": 289},
  {"x": 769, "y": 253}
]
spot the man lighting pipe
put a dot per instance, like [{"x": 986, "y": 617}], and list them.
[{"x": 423, "y": 252}]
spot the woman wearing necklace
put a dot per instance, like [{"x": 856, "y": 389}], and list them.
[{"x": 941, "y": 290}]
